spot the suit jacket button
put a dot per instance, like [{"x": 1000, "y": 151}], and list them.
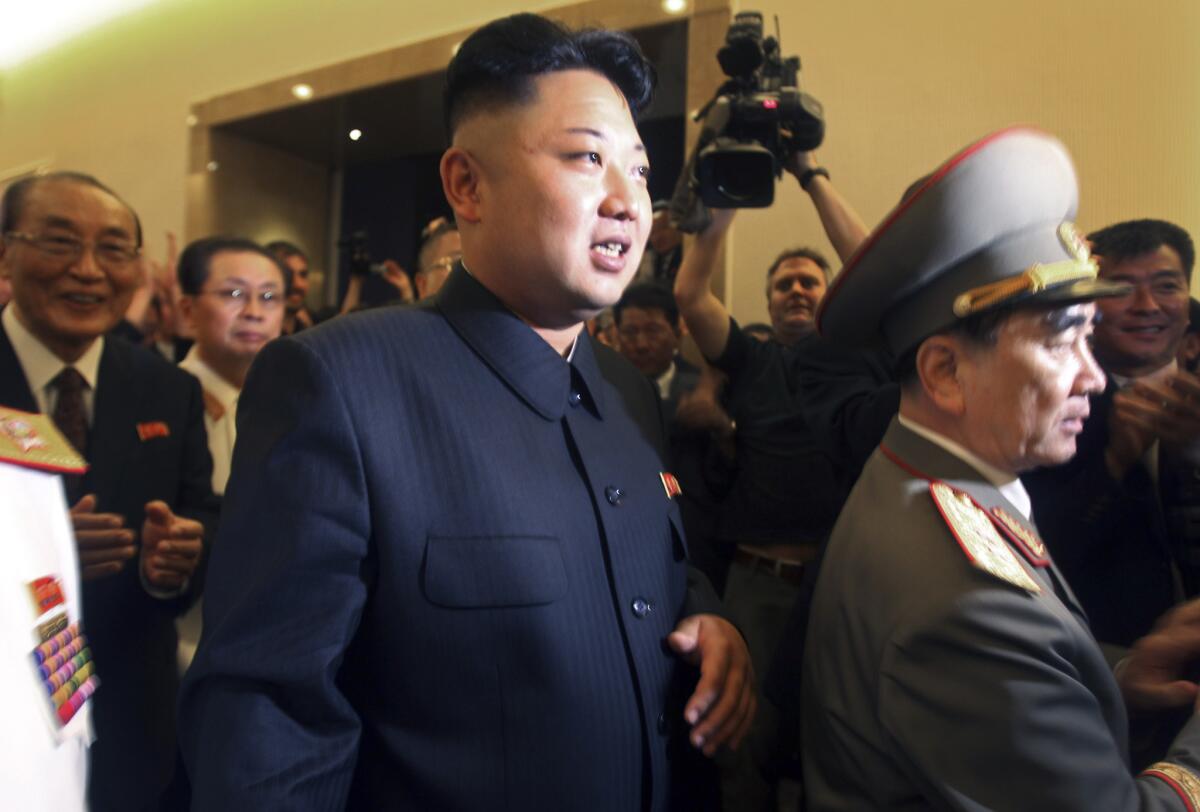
[
  {"x": 641, "y": 607},
  {"x": 574, "y": 398},
  {"x": 613, "y": 494}
]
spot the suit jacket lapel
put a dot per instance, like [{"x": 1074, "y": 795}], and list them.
[{"x": 14, "y": 389}]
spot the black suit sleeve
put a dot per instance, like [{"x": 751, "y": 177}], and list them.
[
  {"x": 264, "y": 723},
  {"x": 848, "y": 398},
  {"x": 196, "y": 499}
]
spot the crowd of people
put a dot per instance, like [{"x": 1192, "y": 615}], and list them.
[{"x": 554, "y": 531}]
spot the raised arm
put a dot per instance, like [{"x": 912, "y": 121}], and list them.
[
  {"x": 843, "y": 226},
  {"x": 707, "y": 319}
]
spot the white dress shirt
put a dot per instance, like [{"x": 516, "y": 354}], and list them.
[
  {"x": 220, "y": 415},
  {"x": 1010, "y": 486},
  {"x": 41, "y": 366}
]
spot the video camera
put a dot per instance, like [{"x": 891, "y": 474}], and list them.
[{"x": 757, "y": 119}]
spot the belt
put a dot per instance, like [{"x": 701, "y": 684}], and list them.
[{"x": 792, "y": 571}]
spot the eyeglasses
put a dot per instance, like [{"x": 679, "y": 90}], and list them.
[
  {"x": 109, "y": 253},
  {"x": 445, "y": 263},
  {"x": 238, "y": 298}
]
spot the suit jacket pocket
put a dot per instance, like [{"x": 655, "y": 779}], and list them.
[{"x": 493, "y": 571}]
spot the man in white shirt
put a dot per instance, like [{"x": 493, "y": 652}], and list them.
[{"x": 233, "y": 297}]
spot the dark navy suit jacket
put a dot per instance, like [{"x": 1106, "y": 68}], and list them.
[
  {"x": 132, "y": 634},
  {"x": 445, "y": 574},
  {"x": 1109, "y": 537}
]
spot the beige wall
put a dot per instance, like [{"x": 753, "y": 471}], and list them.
[
  {"x": 904, "y": 84},
  {"x": 115, "y": 101}
]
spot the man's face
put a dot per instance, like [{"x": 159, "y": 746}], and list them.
[
  {"x": 563, "y": 209},
  {"x": 1025, "y": 399},
  {"x": 69, "y": 301},
  {"x": 444, "y": 251},
  {"x": 648, "y": 340},
  {"x": 233, "y": 330},
  {"x": 296, "y": 296},
  {"x": 1140, "y": 332},
  {"x": 793, "y": 292}
]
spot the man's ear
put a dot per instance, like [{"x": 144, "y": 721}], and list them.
[
  {"x": 939, "y": 366},
  {"x": 5, "y": 273},
  {"x": 460, "y": 183},
  {"x": 187, "y": 310}
]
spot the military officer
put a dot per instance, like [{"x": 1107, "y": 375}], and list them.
[
  {"x": 948, "y": 664},
  {"x": 45, "y": 662}
]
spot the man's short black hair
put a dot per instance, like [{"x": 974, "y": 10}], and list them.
[
  {"x": 196, "y": 261},
  {"x": 284, "y": 249},
  {"x": 810, "y": 254},
  {"x": 649, "y": 296},
  {"x": 1133, "y": 238},
  {"x": 13, "y": 203},
  {"x": 495, "y": 66}
]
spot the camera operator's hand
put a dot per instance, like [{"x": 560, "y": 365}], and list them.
[
  {"x": 722, "y": 219},
  {"x": 800, "y": 162}
]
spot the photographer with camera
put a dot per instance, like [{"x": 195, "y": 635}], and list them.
[
  {"x": 785, "y": 495},
  {"x": 787, "y": 489}
]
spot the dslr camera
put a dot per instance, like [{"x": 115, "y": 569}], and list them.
[{"x": 757, "y": 119}]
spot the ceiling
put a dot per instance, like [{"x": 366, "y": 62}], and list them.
[{"x": 405, "y": 118}]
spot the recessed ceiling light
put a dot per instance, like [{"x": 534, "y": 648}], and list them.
[
  {"x": 355, "y": 134},
  {"x": 674, "y": 6},
  {"x": 302, "y": 91},
  {"x": 212, "y": 166}
]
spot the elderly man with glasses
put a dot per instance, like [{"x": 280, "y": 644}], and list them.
[{"x": 70, "y": 248}]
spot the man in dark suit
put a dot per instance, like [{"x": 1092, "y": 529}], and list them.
[
  {"x": 451, "y": 573},
  {"x": 70, "y": 247},
  {"x": 649, "y": 328},
  {"x": 1120, "y": 516}
]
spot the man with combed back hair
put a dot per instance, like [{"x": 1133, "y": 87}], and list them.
[{"x": 451, "y": 573}]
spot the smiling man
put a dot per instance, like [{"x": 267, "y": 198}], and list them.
[
  {"x": 1118, "y": 516},
  {"x": 948, "y": 665},
  {"x": 448, "y": 538},
  {"x": 70, "y": 247}
]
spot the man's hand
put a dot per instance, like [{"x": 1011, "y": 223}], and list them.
[
  {"x": 171, "y": 547},
  {"x": 395, "y": 276},
  {"x": 103, "y": 541},
  {"x": 722, "y": 707},
  {"x": 1152, "y": 676},
  {"x": 1166, "y": 410},
  {"x": 800, "y": 162}
]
